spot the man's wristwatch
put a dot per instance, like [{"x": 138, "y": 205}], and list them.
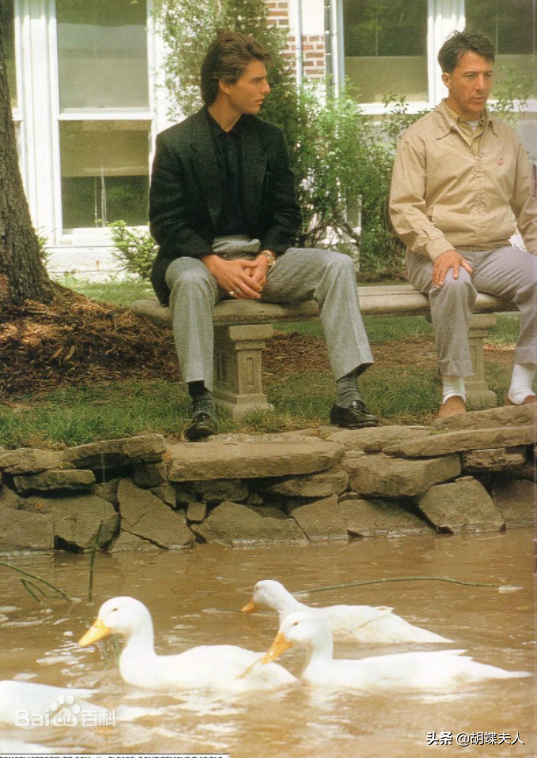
[{"x": 269, "y": 255}]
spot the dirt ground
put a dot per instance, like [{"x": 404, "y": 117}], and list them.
[{"x": 77, "y": 341}]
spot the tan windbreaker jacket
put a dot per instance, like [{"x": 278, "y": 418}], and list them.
[{"x": 444, "y": 197}]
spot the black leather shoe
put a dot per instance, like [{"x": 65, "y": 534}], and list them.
[
  {"x": 201, "y": 425},
  {"x": 356, "y": 416}
]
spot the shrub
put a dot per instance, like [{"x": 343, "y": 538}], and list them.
[{"x": 135, "y": 248}]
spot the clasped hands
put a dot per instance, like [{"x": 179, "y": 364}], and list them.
[
  {"x": 450, "y": 259},
  {"x": 242, "y": 277}
]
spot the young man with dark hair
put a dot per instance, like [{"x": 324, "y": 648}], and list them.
[
  {"x": 223, "y": 211},
  {"x": 461, "y": 185}
]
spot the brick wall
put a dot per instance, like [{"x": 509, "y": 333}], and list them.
[{"x": 313, "y": 48}]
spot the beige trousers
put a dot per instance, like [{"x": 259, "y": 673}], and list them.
[{"x": 506, "y": 272}]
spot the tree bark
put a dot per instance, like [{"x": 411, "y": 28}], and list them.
[{"x": 22, "y": 272}]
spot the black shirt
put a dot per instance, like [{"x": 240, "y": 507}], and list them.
[{"x": 227, "y": 147}]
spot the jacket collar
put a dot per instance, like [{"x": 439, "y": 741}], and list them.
[{"x": 445, "y": 123}]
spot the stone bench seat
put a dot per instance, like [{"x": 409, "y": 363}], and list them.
[{"x": 242, "y": 327}]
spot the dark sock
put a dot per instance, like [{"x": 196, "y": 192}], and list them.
[
  {"x": 347, "y": 390},
  {"x": 202, "y": 399}
]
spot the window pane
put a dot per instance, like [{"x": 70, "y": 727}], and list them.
[
  {"x": 386, "y": 48},
  {"x": 105, "y": 173},
  {"x": 512, "y": 28},
  {"x": 9, "y": 52},
  {"x": 102, "y": 54}
]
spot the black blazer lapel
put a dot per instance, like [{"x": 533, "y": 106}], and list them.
[
  {"x": 254, "y": 167},
  {"x": 205, "y": 166}
]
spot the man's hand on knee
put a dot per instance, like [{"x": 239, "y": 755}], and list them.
[
  {"x": 234, "y": 276},
  {"x": 450, "y": 259}
]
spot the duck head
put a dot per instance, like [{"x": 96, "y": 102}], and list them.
[{"x": 120, "y": 615}]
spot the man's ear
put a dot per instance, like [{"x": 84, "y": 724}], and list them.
[
  {"x": 224, "y": 86},
  {"x": 446, "y": 78}
]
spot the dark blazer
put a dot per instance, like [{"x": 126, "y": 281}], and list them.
[{"x": 185, "y": 196}]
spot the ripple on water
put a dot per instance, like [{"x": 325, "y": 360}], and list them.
[{"x": 195, "y": 598}]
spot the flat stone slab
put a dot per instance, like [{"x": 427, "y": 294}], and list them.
[
  {"x": 464, "y": 505},
  {"x": 239, "y": 526},
  {"x": 166, "y": 493},
  {"x": 382, "y": 476},
  {"x": 27, "y": 460},
  {"x": 517, "y": 501},
  {"x": 497, "y": 459},
  {"x": 78, "y": 519},
  {"x": 9, "y": 498},
  {"x": 375, "y": 439},
  {"x": 218, "y": 490},
  {"x": 146, "y": 516},
  {"x": 150, "y": 474},
  {"x": 257, "y": 458},
  {"x": 21, "y": 530},
  {"x": 321, "y": 521},
  {"x": 313, "y": 485},
  {"x": 196, "y": 512},
  {"x": 401, "y": 299},
  {"x": 116, "y": 453},
  {"x": 508, "y": 415},
  {"x": 380, "y": 518},
  {"x": 56, "y": 480},
  {"x": 467, "y": 439}
]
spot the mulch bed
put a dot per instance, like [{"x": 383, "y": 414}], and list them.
[{"x": 77, "y": 341}]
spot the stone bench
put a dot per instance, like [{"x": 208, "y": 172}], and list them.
[{"x": 242, "y": 327}]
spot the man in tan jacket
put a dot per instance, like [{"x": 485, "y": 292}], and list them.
[{"x": 462, "y": 184}]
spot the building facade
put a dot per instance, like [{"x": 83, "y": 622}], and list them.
[{"x": 88, "y": 104}]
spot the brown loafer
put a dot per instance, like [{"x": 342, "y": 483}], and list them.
[{"x": 452, "y": 407}]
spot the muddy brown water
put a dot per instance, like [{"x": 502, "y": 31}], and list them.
[{"x": 195, "y": 597}]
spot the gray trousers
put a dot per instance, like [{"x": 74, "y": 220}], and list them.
[
  {"x": 299, "y": 275},
  {"x": 506, "y": 272}
]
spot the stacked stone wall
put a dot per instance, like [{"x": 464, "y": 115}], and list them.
[{"x": 469, "y": 473}]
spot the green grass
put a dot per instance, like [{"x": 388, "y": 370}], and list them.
[
  {"x": 379, "y": 329},
  {"x": 121, "y": 293},
  {"x": 77, "y": 415},
  {"x": 384, "y": 329}
]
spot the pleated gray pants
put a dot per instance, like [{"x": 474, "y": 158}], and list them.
[
  {"x": 506, "y": 272},
  {"x": 299, "y": 275}
]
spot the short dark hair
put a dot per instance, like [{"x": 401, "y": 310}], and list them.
[
  {"x": 227, "y": 59},
  {"x": 459, "y": 43}
]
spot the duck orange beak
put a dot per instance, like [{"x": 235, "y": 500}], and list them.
[
  {"x": 278, "y": 647},
  {"x": 96, "y": 632},
  {"x": 250, "y": 607}
]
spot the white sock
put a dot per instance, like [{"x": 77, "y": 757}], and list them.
[
  {"x": 522, "y": 382},
  {"x": 453, "y": 386}
]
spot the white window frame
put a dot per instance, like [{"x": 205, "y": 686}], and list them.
[
  {"x": 38, "y": 114},
  {"x": 443, "y": 17}
]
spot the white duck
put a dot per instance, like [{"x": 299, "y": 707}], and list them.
[
  {"x": 361, "y": 623},
  {"x": 213, "y": 666},
  {"x": 419, "y": 670},
  {"x": 29, "y": 703}
]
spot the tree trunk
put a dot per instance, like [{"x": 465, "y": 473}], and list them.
[{"x": 22, "y": 273}]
